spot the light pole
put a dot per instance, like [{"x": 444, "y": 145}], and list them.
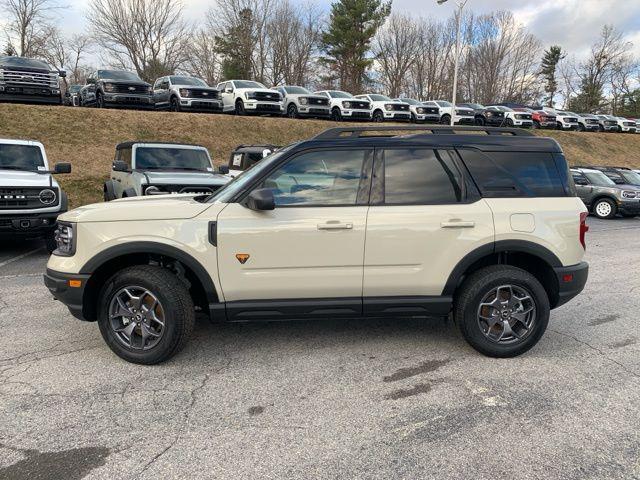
[{"x": 460, "y": 4}]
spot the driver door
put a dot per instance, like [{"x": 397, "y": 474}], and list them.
[{"x": 305, "y": 257}]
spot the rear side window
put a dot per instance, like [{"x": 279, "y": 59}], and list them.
[
  {"x": 420, "y": 177},
  {"x": 514, "y": 174}
]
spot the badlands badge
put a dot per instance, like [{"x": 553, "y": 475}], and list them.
[{"x": 242, "y": 257}]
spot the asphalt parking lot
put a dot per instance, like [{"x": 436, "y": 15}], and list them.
[{"x": 392, "y": 399}]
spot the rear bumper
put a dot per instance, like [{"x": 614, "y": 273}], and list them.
[
  {"x": 571, "y": 281},
  {"x": 58, "y": 285}
]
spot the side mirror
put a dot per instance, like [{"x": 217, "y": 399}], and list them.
[
  {"x": 261, "y": 199},
  {"x": 62, "y": 168},
  {"x": 120, "y": 166},
  {"x": 223, "y": 169},
  {"x": 228, "y": 90},
  {"x": 62, "y": 74}
]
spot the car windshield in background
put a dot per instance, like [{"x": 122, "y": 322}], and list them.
[
  {"x": 632, "y": 178},
  {"x": 296, "y": 90},
  {"x": 21, "y": 157},
  {"x": 75, "y": 88},
  {"x": 444, "y": 104},
  {"x": 410, "y": 101},
  {"x": 475, "y": 106},
  {"x": 247, "y": 84},
  {"x": 24, "y": 62},
  {"x": 600, "y": 179},
  {"x": 196, "y": 82},
  {"x": 118, "y": 75},
  {"x": 380, "y": 98},
  {"x": 163, "y": 158},
  {"x": 504, "y": 109},
  {"x": 339, "y": 94}
]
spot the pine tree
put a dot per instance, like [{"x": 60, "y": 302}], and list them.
[
  {"x": 548, "y": 67},
  {"x": 236, "y": 46},
  {"x": 347, "y": 41}
]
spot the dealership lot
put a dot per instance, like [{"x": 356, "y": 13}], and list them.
[{"x": 326, "y": 399}]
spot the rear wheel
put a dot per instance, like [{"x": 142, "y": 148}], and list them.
[
  {"x": 502, "y": 311},
  {"x": 605, "y": 208},
  {"x": 145, "y": 314}
]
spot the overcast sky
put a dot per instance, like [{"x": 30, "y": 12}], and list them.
[{"x": 572, "y": 24}]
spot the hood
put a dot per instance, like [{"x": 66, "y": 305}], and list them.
[
  {"x": 465, "y": 110},
  {"x": 195, "y": 87},
  {"x": 127, "y": 82},
  {"x": 185, "y": 178},
  {"x": 160, "y": 207},
  {"x": 16, "y": 178}
]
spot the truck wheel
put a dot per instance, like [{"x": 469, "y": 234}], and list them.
[
  {"x": 605, "y": 208},
  {"x": 145, "y": 314},
  {"x": 240, "y": 110},
  {"x": 378, "y": 116},
  {"x": 479, "y": 121},
  {"x": 336, "y": 116},
  {"x": 109, "y": 193},
  {"x": 445, "y": 120},
  {"x": 99, "y": 100},
  {"x": 292, "y": 111},
  {"x": 50, "y": 241},
  {"x": 502, "y": 311},
  {"x": 174, "y": 105},
  {"x": 581, "y": 128},
  {"x": 508, "y": 122},
  {"x": 536, "y": 125}
]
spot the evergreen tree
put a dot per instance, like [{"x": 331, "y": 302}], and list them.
[
  {"x": 236, "y": 47},
  {"x": 347, "y": 41},
  {"x": 548, "y": 67}
]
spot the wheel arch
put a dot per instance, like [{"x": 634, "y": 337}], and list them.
[
  {"x": 106, "y": 263},
  {"x": 602, "y": 196},
  {"x": 109, "y": 190}
]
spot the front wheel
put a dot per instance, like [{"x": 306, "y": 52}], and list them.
[
  {"x": 479, "y": 121},
  {"x": 445, "y": 120},
  {"x": 99, "y": 101},
  {"x": 292, "y": 111},
  {"x": 502, "y": 311},
  {"x": 336, "y": 116},
  {"x": 240, "y": 110},
  {"x": 508, "y": 122},
  {"x": 145, "y": 314},
  {"x": 378, "y": 116},
  {"x": 605, "y": 208},
  {"x": 174, "y": 104}
]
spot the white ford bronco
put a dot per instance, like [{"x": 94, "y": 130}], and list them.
[
  {"x": 153, "y": 168},
  {"x": 484, "y": 225},
  {"x": 30, "y": 198}
]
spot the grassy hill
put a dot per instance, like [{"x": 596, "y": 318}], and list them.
[{"x": 87, "y": 137}]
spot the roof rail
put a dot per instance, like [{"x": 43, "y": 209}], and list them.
[{"x": 356, "y": 132}]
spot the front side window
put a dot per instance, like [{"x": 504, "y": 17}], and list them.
[
  {"x": 124, "y": 155},
  {"x": 295, "y": 91},
  {"x": 339, "y": 94},
  {"x": 318, "y": 178},
  {"x": 420, "y": 176},
  {"x": 21, "y": 157},
  {"x": 599, "y": 179},
  {"x": 379, "y": 98},
  {"x": 164, "y": 158}
]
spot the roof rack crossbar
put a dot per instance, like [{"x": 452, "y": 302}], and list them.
[{"x": 343, "y": 132}]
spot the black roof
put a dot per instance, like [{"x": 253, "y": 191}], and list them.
[
  {"x": 255, "y": 148},
  {"x": 135, "y": 142}
]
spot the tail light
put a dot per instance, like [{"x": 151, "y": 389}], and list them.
[{"x": 584, "y": 228}]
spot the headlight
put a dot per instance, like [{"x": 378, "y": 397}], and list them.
[
  {"x": 420, "y": 110},
  {"x": 185, "y": 93},
  {"x": 388, "y": 106},
  {"x": 304, "y": 100},
  {"x": 346, "y": 104},
  {"x": 65, "y": 239},
  {"x": 109, "y": 87},
  {"x": 629, "y": 194},
  {"x": 47, "y": 196},
  {"x": 489, "y": 114},
  {"x": 250, "y": 95}
]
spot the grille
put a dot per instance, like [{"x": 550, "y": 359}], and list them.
[
  {"x": 324, "y": 111},
  {"x": 30, "y": 78},
  {"x": 399, "y": 108},
  {"x": 464, "y": 113},
  {"x": 629, "y": 124},
  {"x": 360, "y": 115},
  {"x": 268, "y": 108},
  {"x": 571, "y": 119},
  {"x": 611, "y": 123},
  {"x": 359, "y": 104},
  {"x": 547, "y": 119},
  {"x": 128, "y": 88},
  {"x": 318, "y": 101},
  {"x": 24, "y": 198},
  {"x": 431, "y": 110},
  {"x": 592, "y": 121},
  {"x": 207, "y": 105},
  {"x": 214, "y": 94},
  {"x": 267, "y": 96},
  {"x": 523, "y": 116},
  {"x": 199, "y": 189}
]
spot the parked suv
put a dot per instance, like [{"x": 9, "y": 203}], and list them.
[
  {"x": 300, "y": 102},
  {"x": 116, "y": 88},
  {"x": 543, "y": 119},
  {"x": 181, "y": 92},
  {"x": 244, "y": 157},
  {"x": 420, "y": 113},
  {"x": 602, "y": 196},
  {"x": 607, "y": 123},
  {"x": 244, "y": 97},
  {"x": 490, "y": 230},
  {"x": 588, "y": 122},
  {"x": 566, "y": 120},
  {"x": 154, "y": 168},
  {"x": 515, "y": 118},
  {"x": 621, "y": 175},
  {"x": 30, "y": 198},
  {"x": 28, "y": 80},
  {"x": 345, "y": 106},
  {"x": 461, "y": 115},
  {"x": 383, "y": 108},
  {"x": 625, "y": 125}
]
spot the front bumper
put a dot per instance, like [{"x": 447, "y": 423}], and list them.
[
  {"x": 59, "y": 284},
  {"x": 18, "y": 95},
  {"x": 609, "y": 128},
  {"x": 571, "y": 281},
  {"x": 317, "y": 112},
  {"x": 568, "y": 126},
  {"x": 457, "y": 120},
  {"x": 27, "y": 226},
  {"x": 356, "y": 114},
  {"x": 427, "y": 117},
  {"x": 547, "y": 124},
  {"x": 126, "y": 100},
  {"x": 397, "y": 116},
  {"x": 264, "y": 108},
  {"x": 523, "y": 123},
  {"x": 629, "y": 206},
  {"x": 201, "y": 105},
  {"x": 628, "y": 129}
]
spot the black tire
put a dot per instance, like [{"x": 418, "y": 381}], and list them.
[
  {"x": 445, "y": 120},
  {"x": 413, "y": 118},
  {"x": 174, "y": 104},
  {"x": 336, "y": 116},
  {"x": 600, "y": 209},
  {"x": 109, "y": 193},
  {"x": 99, "y": 100},
  {"x": 479, "y": 121},
  {"x": 240, "y": 110},
  {"x": 50, "y": 241},
  {"x": 600, "y": 128},
  {"x": 292, "y": 111},
  {"x": 508, "y": 122},
  {"x": 473, "y": 291},
  {"x": 378, "y": 116},
  {"x": 536, "y": 125},
  {"x": 178, "y": 309},
  {"x": 581, "y": 127}
]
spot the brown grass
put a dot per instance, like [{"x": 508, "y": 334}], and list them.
[{"x": 87, "y": 137}]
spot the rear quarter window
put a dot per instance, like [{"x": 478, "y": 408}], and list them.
[{"x": 516, "y": 174}]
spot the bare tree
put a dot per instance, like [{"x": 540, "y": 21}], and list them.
[
  {"x": 569, "y": 79},
  {"x": 27, "y": 24},
  {"x": 396, "y": 48},
  {"x": 78, "y": 45},
  {"x": 203, "y": 61},
  {"x": 149, "y": 35}
]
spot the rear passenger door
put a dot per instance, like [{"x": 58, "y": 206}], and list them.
[{"x": 423, "y": 219}]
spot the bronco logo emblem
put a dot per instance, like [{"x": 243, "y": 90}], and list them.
[{"x": 242, "y": 257}]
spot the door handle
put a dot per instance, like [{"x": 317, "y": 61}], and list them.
[
  {"x": 335, "y": 225},
  {"x": 457, "y": 224}
]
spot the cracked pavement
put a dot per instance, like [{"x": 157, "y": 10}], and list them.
[{"x": 374, "y": 399}]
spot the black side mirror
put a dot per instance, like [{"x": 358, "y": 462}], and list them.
[
  {"x": 62, "y": 74},
  {"x": 67, "y": 94},
  {"x": 261, "y": 199},
  {"x": 62, "y": 168},
  {"x": 120, "y": 166},
  {"x": 223, "y": 169}
]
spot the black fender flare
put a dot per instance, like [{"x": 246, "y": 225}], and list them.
[
  {"x": 129, "y": 192},
  {"x": 109, "y": 190},
  {"x": 523, "y": 246}
]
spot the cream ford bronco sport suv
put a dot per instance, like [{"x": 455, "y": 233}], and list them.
[{"x": 485, "y": 225}]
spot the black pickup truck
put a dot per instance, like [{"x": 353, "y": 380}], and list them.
[{"x": 27, "y": 80}]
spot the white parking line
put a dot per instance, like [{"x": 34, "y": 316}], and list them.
[{"x": 19, "y": 257}]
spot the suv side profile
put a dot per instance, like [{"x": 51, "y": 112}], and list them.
[
  {"x": 451, "y": 226},
  {"x": 181, "y": 92},
  {"x": 244, "y": 97},
  {"x": 300, "y": 102},
  {"x": 116, "y": 88},
  {"x": 602, "y": 196},
  {"x": 345, "y": 106}
]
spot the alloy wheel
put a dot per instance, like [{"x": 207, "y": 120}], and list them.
[
  {"x": 137, "y": 318},
  {"x": 507, "y": 314},
  {"x": 603, "y": 209}
]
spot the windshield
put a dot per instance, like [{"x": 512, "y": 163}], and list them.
[
  {"x": 339, "y": 94},
  {"x": 24, "y": 62},
  {"x": 503, "y": 109},
  {"x": 167, "y": 158},
  {"x": 247, "y": 84},
  {"x": 632, "y": 178},
  {"x": 232, "y": 188},
  {"x": 380, "y": 98},
  {"x": 600, "y": 179},
  {"x": 21, "y": 157},
  {"x": 75, "y": 88},
  {"x": 118, "y": 75},
  {"x": 196, "y": 82},
  {"x": 475, "y": 106},
  {"x": 410, "y": 101},
  {"x": 296, "y": 90},
  {"x": 444, "y": 104}
]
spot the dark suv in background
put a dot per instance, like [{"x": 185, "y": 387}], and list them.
[
  {"x": 27, "y": 80},
  {"x": 603, "y": 197},
  {"x": 116, "y": 88}
]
